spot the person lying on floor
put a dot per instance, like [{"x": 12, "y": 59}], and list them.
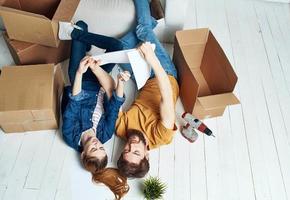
[
  {"x": 91, "y": 105},
  {"x": 150, "y": 122}
]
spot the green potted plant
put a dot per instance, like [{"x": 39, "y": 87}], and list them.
[{"x": 153, "y": 188}]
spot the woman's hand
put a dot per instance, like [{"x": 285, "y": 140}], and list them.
[
  {"x": 124, "y": 76},
  {"x": 148, "y": 53},
  {"x": 84, "y": 64},
  {"x": 95, "y": 65}
]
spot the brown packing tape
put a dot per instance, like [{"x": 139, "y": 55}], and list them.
[{"x": 218, "y": 101}]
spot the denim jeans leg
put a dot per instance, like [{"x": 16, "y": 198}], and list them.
[
  {"x": 144, "y": 32},
  {"x": 78, "y": 51},
  {"x": 101, "y": 41}
]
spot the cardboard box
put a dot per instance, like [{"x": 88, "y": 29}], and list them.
[
  {"x": 30, "y": 97},
  {"x": 25, "y": 53},
  {"x": 206, "y": 77},
  {"x": 36, "y": 21}
]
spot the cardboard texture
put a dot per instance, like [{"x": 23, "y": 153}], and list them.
[
  {"x": 36, "y": 21},
  {"x": 206, "y": 77},
  {"x": 29, "y": 97},
  {"x": 25, "y": 53}
]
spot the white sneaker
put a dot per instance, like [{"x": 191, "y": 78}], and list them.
[{"x": 65, "y": 29}]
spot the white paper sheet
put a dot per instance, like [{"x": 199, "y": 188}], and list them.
[
  {"x": 139, "y": 66},
  {"x": 113, "y": 57}
]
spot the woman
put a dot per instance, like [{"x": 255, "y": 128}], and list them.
[{"x": 91, "y": 105}]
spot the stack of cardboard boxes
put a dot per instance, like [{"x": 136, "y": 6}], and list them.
[{"x": 30, "y": 93}]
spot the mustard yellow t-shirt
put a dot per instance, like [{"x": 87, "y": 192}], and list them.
[{"x": 144, "y": 115}]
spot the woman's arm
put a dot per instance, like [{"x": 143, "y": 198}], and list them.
[
  {"x": 104, "y": 78},
  {"x": 83, "y": 67}
]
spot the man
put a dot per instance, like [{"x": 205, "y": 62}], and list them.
[{"x": 149, "y": 123}]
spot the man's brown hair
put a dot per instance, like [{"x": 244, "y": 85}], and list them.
[
  {"x": 131, "y": 169},
  {"x": 93, "y": 164}
]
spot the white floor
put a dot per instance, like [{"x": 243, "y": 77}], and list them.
[{"x": 250, "y": 157}]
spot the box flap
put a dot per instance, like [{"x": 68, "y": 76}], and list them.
[
  {"x": 192, "y": 36},
  {"x": 27, "y": 72},
  {"x": 58, "y": 86},
  {"x": 29, "y": 126},
  {"x": 188, "y": 86},
  {"x": 43, "y": 114},
  {"x": 201, "y": 113},
  {"x": 42, "y": 7},
  {"x": 12, "y": 128},
  {"x": 218, "y": 101},
  {"x": 13, "y": 52},
  {"x": 40, "y": 125},
  {"x": 15, "y": 116},
  {"x": 17, "y": 46},
  {"x": 10, "y": 11},
  {"x": 25, "y": 53},
  {"x": 66, "y": 10},
  {"x": 217, "y": 69},
  {"x": 26, "y": 88},
  {"x": 10, "y": 3},
  {"x": 192, "y": 43},
  {"x": 28, "y": 27},
  {"x": 204, "y": 89}
]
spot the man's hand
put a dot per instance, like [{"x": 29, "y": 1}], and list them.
[
  {"x": 148, "y": 53},
  {"x": 84, "y": 64}
]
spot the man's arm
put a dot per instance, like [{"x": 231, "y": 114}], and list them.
[{"x": 167, "y": 107}]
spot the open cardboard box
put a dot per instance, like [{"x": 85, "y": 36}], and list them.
[
  {"x": 29, "y": 97},
  {"x": 206, "y": 77},
  {"x": 25, "y": 53},
  {"x": 36, "y": 21}
]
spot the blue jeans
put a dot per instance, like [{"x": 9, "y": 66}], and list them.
[
  {"x": 144, "y": 32},
  {"x": 82, "y": 40},
  {"x": 81, "y": 43}
]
